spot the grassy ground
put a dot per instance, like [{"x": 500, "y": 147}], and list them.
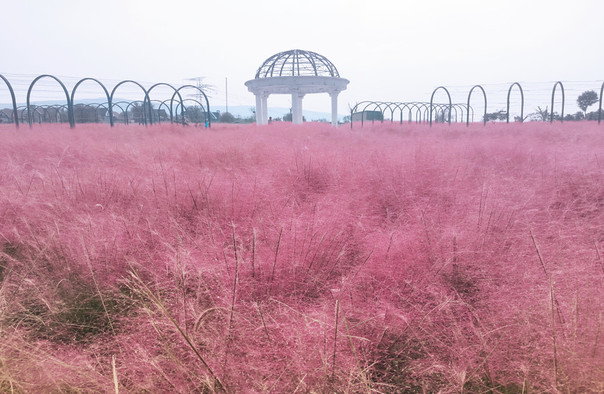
[{"x": 302, "y": 259}]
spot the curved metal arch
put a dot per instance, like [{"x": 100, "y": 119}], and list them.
[
  {"x": 551, "y": 116},
  {"x": 183, "y": 107},
  {"x": 600, "y": 107},
  {"x": 461, "y": 108},
  {"x": 376, "y": 105},
  {"x": 4, "y": 115},
  {"x": 414, "y": 106},
  {"x": 119, "y": 105},
  {"x": 432, "y": 102},
  {"x": 354, "y": 109},
  {"x": 145, "y": 101},
  {"x": 171, "y": 87},
  {"x": 69, "y": 103},
  {"x": 160, "y": 103},
  {"x": 92, "y": 106},
  {"x": 521, "y": 102},
  {"x": 207, "y": 108},
  {"x": 401, "y": 107},
  {"x": 392, "y": 105},
  {"x": 109, "y": 98},
  {"x": 409, "y": 112},
  {"x": 13, "y": 99},
  {"x": 46, "y": 114},
  {"x": 39, "y": 111},
  {"x": 132, "y": 104},
  {"x": 484, "y": 95},
  {"x": 444, "y": 109},
  {"x": 22, "y": 117}
]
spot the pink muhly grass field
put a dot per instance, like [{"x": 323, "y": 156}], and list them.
[{"x": 302, "y": 258}]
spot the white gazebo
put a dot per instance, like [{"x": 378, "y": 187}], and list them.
[{"x": 298, "y": 73}]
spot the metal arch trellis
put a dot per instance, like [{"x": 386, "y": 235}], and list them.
[
  {"x": 484, "y": 95},
  {"x": 176, "y": 92},
  {"x": 137, "y": 104},
  {"x": 183, "y": 109},
  {"x": 13, "y": 99},
  {"x": 521, "y": 102},
  {"x": 432, "y": 102},
  {"x": 124, "y": 113},
  {"x": 93, "y": 80},
  {"x": 69, "y": 106},
  {"x": 551, "y": 117},
  {"x": 157, "y": 115},
  {"x": 31, "y": 113},
  {"x": 145, "y": 100},
  {"x": 419, "y": 110},
  {"x": 207, "y": 107}
]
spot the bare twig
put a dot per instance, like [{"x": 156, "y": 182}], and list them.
[{"x": 276, "y": 254}]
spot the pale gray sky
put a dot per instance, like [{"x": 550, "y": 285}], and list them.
[{"x": 389, "y": 49}]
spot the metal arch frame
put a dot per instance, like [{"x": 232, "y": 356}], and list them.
[
  {"x": 22, "y": 108},
  {"x": 13, "y": 99},
  {"x": 93, "y": 106},
  {"x": 171, "y": 87},
  {"x": 119, "y": 105},
  {"x": 402, "y": 107},
  {"x": 184, "y": 110},
  {"x": 432, "y": 102},
  {"x": 376, "y": 104},
  {"x": 484, "y": 94},
  {"x": 600, "y": 107},
  {"x": 419, "y": 110},
  {"x": 96, "y": 109},
  {"x": 94, "y": 80},
  {"x": 207, "y": 108},
  {"x": 551, "y": 116},
  {"x": 443, "y": 109},
  {"x": 132, "y": 104},
  {"x": 356, "y": 106},
  {"x": 145, "y": 100},
  {"x": 47, "y": 115},
  {"x": 521, "y": 105},
  {"x": 37, "y": 111},
  {"x": 160, "y": 103},
  {"x": 4, "y": 115},
  {"x": 69, "y": 103}
]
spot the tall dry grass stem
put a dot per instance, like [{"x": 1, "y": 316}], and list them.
[
  {"x": 554, "y": 339},
  {"x": 116, "y": 386},
  {"x": 599, "y": 256},
  {"x": 148, "y": 294},
  {"x": 335, "y": 341},
  {"x": 96, "y": 285},
  {"x": 254, "y": 253},
  {"x": 547, "y": 275},
  {"x": 276, "y": 255},
  {"x": 229, "y": 335},
  {"x": 263, "y": 321}
]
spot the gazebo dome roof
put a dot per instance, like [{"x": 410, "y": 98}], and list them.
[{"x": 296, "y": 63}]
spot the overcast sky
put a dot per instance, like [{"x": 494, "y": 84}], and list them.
[{"x": 389, "y": 49}]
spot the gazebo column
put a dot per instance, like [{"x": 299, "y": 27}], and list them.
[
  {"x": 297, "y": 97},
  {"x": 334, "y": 107},
  {"x": 265, "y": 107},
  {"x": 259, "y": 109}
]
